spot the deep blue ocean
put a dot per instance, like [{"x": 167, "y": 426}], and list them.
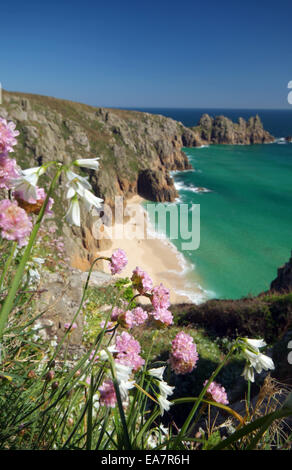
[{"x": 246, "y": 214}]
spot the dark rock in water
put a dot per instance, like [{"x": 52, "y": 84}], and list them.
[
  {"x": 156, "y": 186},
  {"x": 283, "y": 281},
  {"x": 221, "y": 130}
]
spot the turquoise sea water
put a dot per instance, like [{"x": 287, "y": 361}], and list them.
[{"x": 246, "y": 218}]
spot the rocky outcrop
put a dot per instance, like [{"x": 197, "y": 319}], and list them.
[
  {"x": 155, "y": 186},
  {"x": 288, "y": 138},
  {"x": 283, "y": 281},
  {"x": 221, "y": 130}
]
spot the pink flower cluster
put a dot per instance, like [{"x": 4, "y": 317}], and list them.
[
  {"x": 8, "y": 171},
  {"x": 118, "y": 261},
  {"x": 217, "y": 392},
  {"x": 163, "y": 316},
  {"x": 141, "y": 281},
  {"x": 160, "y": 297},
  {"x": 129, "y": 351},
  {"x": 7, "y": 137},
  {"x": 107, "y": 394},
  {"x": 134, "y": 317},
  {"x": 183, "y": 356},
  {"x": 14, "y": 222}
]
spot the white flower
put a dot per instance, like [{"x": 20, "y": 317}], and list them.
[
  {"x": 74, "y": 178},
  {"x": 88, "y": 198},
  {"x": 255, "y": 359},
  {"x": 123, "y": 373},
  {"x": 26, "y": 186},
  {"x": 73, "y": 214},
  {"x": 91, "y": 163},
  {"x": 165, "y": 389},
  {"x": 35, "y": 171},
  {"x": 103, "y": 356},
  {"x": 164, "y": 404},
  {"x": 158, "y": 372},
  {"x": 255, "y": 343},
  {"x": 248, "y": 373}
]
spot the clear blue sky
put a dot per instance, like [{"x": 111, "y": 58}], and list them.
[{"x": 182, "y": 53}]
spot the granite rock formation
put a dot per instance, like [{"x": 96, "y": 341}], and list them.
[{"x": 221, "y": 130}]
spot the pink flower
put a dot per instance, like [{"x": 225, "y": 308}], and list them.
[
  {"x": 116, "y": 312},
  {"x": 163, "y": 316},
  {"x": 15, "y": 223},
  {"x": 139, "y": 316},
  {"x": 128, "y": 351},
  {"x": 7, "y": 137},
  {"x": 217, "y": 392},
  {"x": 31, "y": 204},
  {"x": 141, "y": 281},
  {"x": 184, "y": 354},
  {"x": 107, "y": 394},
  {"x": 67, "y": 326},
  {"x": 118, "y": 261},
  {"x": 160, "y": 297},
  {"x": 132, "y": 318},
  {"x": 8, "y": 171}
]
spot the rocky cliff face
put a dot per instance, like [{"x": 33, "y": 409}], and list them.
[
  {"x": 221, "y": 130},
  {"x": 283, "y": 281},
  {"x": 137, "y": 151}
]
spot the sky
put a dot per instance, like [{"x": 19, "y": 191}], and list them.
[{"x": 154, "y": 53}]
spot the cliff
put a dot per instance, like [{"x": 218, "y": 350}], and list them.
[
  {"x": 221, "y": 130},
  {"x": 283, "y": 281},
  {"x": 137, "y": 151}
]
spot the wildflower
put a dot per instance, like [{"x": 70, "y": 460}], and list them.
[
  {"x": 25, "y": 185},
  {"x": 31, "y": 204},
  {"x": 91, "y": 163},
  {"x": 123, "y": 373},
  {"x": 118, "y": 261},
  {"x": 255, "y": 359},
  {"x": 73, "y": 214},
  {"x": 107, "y": 394},
  {"x": 164, "y": 388},
  {"x": 74, "y": 178},
  {"x": 160, "y": 297},
  {"x": 184, "y": 356},
  {"x": 157, "y": 372},
  {"x": 132, "y": 318},
  {"x": 164, "y": 404},
  {"x": 67, "y": 326},
  {"x": 141, "y": 281},
  {"x": 163, "y": 316},
  {"x": 128, "y": 351},
  {"x": 14, "y": 222},
  {"x": 7, "y": 137},
  {"x": 8, "y": 172},
  {"x": 139, "y": 316},
  {"x": 116, "y": 312},
  {"x": 217, "y": 392}
]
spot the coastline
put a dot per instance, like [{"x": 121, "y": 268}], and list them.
[{"x": 157, "y": 256}]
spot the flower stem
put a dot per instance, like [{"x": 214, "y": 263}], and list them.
[{"x": 8, "y": 304}]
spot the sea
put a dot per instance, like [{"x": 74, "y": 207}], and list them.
[{"x": 245, "y": 207}]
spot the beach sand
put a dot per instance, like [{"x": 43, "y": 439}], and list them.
[{"x": 158, "y": 257}]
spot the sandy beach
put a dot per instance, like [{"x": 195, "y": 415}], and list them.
[{"x": 158, "y": 257}]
